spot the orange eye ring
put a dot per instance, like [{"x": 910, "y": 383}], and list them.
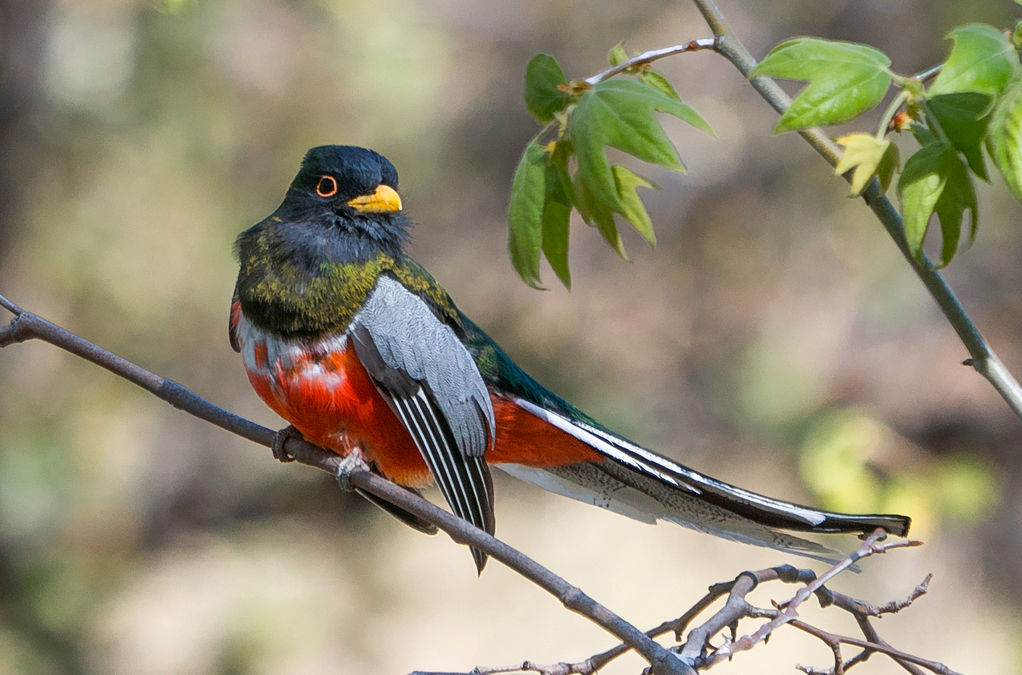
[{"x": 327, "y": 186}]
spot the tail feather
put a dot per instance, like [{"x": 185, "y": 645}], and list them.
[{"x": 642, "y": 484}]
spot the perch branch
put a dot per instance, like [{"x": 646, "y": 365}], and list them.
[{"x": 26, "y": 326}]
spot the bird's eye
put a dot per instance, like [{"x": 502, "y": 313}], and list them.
[{"x": 327, "y": 186}]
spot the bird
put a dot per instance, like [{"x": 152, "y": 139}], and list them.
[{"x": 364, "y": 354}]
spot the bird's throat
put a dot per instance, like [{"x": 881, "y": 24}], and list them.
[{"x": 302, "y": 287}]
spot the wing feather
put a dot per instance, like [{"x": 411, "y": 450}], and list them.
[{"x": 430, "y": 381}]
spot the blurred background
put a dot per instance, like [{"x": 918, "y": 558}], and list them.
[{"x": 775, "y": 339}]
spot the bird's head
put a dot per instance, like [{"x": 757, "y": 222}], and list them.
[
  {"x": 345, "y": 179},
  {"x": 344, "y": 192}
]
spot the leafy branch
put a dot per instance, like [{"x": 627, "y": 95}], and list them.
[
  {"x": 565, "y": 165},
  {"x": 955, "y": 111},
  {"x": 951, "y": 119}
]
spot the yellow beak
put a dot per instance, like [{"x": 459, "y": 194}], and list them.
[{"x": 384, "y": 200}]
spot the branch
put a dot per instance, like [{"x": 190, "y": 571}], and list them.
[
  {"x": 26, "y": 326},
  {"x": 698, "y": 650},
  {"x": 737, "y": 608},
  {"x": 788, "y": 613},
  {"x": 653, "y": 55},
  {"x": 982, "y": 357}
]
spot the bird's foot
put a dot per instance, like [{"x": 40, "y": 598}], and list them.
[
  {"x": 280, "y": 439},
  {"x": 348, "y": 465}
]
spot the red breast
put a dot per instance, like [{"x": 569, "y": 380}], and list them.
[{"x": 322, "y": 388}]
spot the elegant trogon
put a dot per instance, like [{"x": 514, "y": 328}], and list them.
[{"x": 362, "y": 351}]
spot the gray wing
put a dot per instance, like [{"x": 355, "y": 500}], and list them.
[{"x": 429, "y": 379}]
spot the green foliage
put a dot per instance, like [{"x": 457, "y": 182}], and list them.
[
  {"x": 528, "y": 197},
  {"x": 935, "y": 180},
  {"x": 556, "y": 216},
  {"x": 584, "y": 119},
  {"x": 617, "y": 54},
  {"x": 619, "y": 113},
  {"x": 951, "y": 119},
  {"x": 982, "y": 60},
  {"x": 973, "y": 102},
  {"x": 867, "y": 156},
  {"x": 627, "y": 183},
  {"x": 963, "y": 118},
  {"x": 660, "y": 83},
  {"x": 543, "y": 93},
  {"x": 845, "y": 80},
  {"x": 1004, "y": 142}
]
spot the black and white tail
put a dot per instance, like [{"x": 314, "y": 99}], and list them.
[{"x": 643, "y": 485}]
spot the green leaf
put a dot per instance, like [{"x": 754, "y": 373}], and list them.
[
  {"x": 845, "y": 80},
  {"x": 982, "y": 60},
  {"x": 889, "y": 163},
  {"x": 556, "y": 216},
  {"x": 1004, "y": 140},
  {"x": 542, "y": 97},
  {"x": 597, "y": 214},
  {"x": 964, "y": 118},
  {"x": 922, "y": 182},
  {"x": 864, "y": 153},
  {"x": 632, "y": 207},
  {"x": 525, "y": 213},
  {"x": 658, "y": 82},
  {"x": 617, "y": 54},
  {"x": 922, "y": 134},
  {"x": 957, "y": 196},
  {"x": 619, "y": 113}
]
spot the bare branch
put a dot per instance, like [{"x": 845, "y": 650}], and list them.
[
  {"x": 25, "y": 326},
  {"x": 10, "y": 306},
  {"x": 983, "y": 359},
  {"x": 786, "y": 613},
  {"x": 737, "y": 608}
]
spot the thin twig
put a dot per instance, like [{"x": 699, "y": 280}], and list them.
[
  {"x": 738, "y": 608},
  {"x": 10, "y": 306},
  {"x": 25, "y": 326},
  {"x": 929, "y": 73},
  {"x": 983, "y": 358},
  {"x": 646, "y": 58},
  {"x": 872, "y": 646}
]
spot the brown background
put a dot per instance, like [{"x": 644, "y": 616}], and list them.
[{"x": 772, "y": 338}]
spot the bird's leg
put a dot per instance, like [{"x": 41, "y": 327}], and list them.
[
  {"x": 349, "y": 464},
  {"x": 280, "y": 439}
]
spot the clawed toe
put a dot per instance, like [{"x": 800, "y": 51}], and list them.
[
  {"x": 348, "y": 465},
  {"x": 280, "y": 439}
]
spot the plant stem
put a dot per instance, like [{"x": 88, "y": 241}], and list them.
[
  {"x": 983, "y": 359},
  {"x": 892, "y": 109},
  {"x": 651, "y": 56}
]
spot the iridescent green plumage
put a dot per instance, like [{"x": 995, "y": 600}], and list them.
[{"x": 304, "y": 298}]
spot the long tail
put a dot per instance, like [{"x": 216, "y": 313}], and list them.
[{"x": 646, "y": 486}]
